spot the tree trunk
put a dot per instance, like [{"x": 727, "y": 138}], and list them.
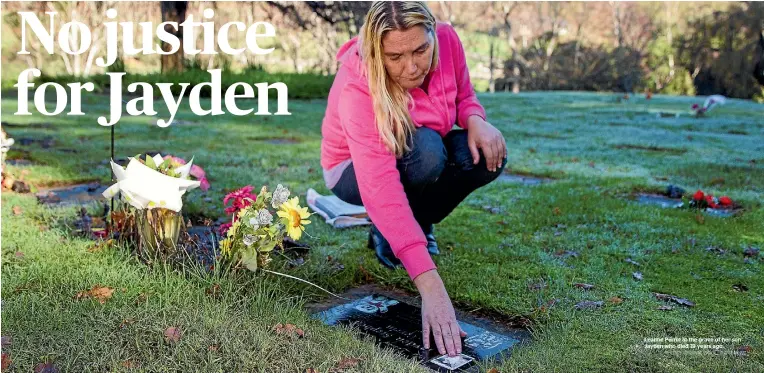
[
  {"x": 173, "y": 11},
  {"x": 491, "y": 80}
]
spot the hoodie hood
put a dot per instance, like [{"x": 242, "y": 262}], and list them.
[{"x": 349, "y": 55}]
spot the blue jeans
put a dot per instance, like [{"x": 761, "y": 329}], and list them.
[{"x": 437, "y": 175}]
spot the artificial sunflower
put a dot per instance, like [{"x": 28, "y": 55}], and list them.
[{"x": 294, "y": 217}]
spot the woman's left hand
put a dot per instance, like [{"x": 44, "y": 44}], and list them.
[{"x": 482, "y": 135}]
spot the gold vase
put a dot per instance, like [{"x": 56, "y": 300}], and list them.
[{"x": 159, "y": 230}]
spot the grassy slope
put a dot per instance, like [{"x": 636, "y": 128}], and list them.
[{"x": 576, "y": 137}]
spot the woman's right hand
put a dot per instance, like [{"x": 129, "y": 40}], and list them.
[{"x": 438, "y": 317}]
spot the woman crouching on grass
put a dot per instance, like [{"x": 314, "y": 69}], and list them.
[{"x": 388, "y": 144}]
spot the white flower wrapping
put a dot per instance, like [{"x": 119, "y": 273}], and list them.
[{"x": 145, "y": 188}]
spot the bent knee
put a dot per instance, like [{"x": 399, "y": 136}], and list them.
[{"x": 426, "y": 160}]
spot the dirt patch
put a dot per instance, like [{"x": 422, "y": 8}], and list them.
[
  {"x": 650, "y": 148},
  {"x": 45, "y": 142},
  {"x": 524, "y": 178},
  {"x": 27, "y": 125},
  {"x": 276, "y": 140}
]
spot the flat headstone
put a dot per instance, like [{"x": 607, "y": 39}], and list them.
[
  {"x": 723, "y": 213},
  {"x": 523, "y": 179},
  {"x": 397, "y": 325},
  {"x": 280, "y": 141},
  {"x": 659, "y": 200},
  {"x": 72, "y": 195},
  {"x": 667, "y": 202},
  {"x": 20, "y": 162}
]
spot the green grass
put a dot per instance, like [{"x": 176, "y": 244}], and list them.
[{"x": 598, "y": 150}]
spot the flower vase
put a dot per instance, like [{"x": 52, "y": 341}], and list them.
[{"x": 159, "y": 230}]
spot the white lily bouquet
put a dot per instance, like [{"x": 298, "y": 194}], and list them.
[
  {"x": 253, "y": 232},
  {"x": 154, "y": 188}
]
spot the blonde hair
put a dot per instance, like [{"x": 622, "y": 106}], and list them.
[{"x": 391, "y": 101}]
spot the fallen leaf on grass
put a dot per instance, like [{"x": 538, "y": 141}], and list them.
[
  {"x": 16, "y": 210},
  {"x": 566, "y": 253},
  {"x": 557, "y": 211},
  {"x": 47, "y": 367},
  {"x": 142, "y": 298},
  {"x": 549, "y": 305},
  {"x": 366, "y": 275},
  {"x": 615, "y": 300},
  {"x": 675, "y": 299},
  {"x": 98, "y": 292},
  {"x": 583, "y": 286},
  {"x": 346, "y": 363},
  {"x": 637, "y": 276},
  {"x": 212, "y": 348},
  {"x": 288, "y": 330},
  {"x": 129, "y": 364},
  {"x": 126, "y": 322},
  {"x": 213, "y": 291},
  {"x": 665, "y": 308},
  {"x": 589, "y": 304},
  {"x": 172, "y": 334},
  {"x": 99, "y": 246},
  {"x": 5, "y": 341},
  {"x": 19, "y": 255},
  {"x": 5, "y": 362},
  {"x": 311, "y": 370},
  {"x": 537, "y": 286}
]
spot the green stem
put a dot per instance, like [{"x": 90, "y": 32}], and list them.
[{"x": 307, "y": 282}]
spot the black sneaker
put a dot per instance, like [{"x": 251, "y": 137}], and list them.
[
  {"x": 382, "y": 248},
  {"x": 432, "y": 246}
]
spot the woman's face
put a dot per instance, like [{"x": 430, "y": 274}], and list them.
[{"x": 407, "y": 55}]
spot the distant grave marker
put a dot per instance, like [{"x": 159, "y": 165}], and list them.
[
  {"x": 523, "y": 179},
  {"x": 72, "y": 195}
]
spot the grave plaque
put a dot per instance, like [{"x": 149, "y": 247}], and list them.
[
  {"x": 72, "y": 195},
  {"x": 398, "y": 325}
]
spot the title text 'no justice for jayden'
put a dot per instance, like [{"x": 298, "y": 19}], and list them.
[{"x": 75, "y": 38}]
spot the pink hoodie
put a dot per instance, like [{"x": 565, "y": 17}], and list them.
[{"x": 349, "y": 132}]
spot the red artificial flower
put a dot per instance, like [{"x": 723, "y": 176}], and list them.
[
  {"x": 224, "y": 228},
  {"x": 725, "y": 201},
  {"x": 710, "y": 201},
  {"x": 100, "y": 234},
  {"x": 240, "y": 199},
  {"x": 245, "y": 192},
  {"x": 694, "y": 106},
  {"x": 698, "y": 196}
]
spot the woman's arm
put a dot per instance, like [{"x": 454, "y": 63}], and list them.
[
  {"x": 386, "y": 203},
  {"x": 379, "y": 182}
]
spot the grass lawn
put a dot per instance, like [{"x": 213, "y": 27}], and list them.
[{"x": 501, "y": 248}]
